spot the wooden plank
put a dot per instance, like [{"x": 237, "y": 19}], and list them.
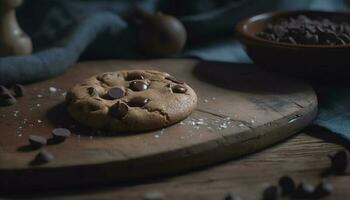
[
  {"x": 262, "y": 109},
  {"x": 303, "y": 157}
]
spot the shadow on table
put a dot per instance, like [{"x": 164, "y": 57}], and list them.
[
  {"x": 327, "y": 136},
  {"x": 245, "y": 77},
  {"x": 330, "y": 137}
]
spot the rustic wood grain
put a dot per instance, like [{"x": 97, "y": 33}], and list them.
[
  {"x": 302, "y": 157},
  {"x": 263, "y": 110}
]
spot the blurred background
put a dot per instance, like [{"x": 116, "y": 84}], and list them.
[{"x": 209, "y": 23}]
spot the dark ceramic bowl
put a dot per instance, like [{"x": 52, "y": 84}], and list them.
[{"x": 321, "y": 61}]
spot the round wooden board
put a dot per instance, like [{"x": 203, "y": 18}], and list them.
[{"x": 241, "y": 110}]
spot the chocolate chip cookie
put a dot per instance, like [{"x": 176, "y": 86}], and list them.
[{"x": 135, "y": 100}]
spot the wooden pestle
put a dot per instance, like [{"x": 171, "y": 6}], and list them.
[{"x": 13, "y": 41}]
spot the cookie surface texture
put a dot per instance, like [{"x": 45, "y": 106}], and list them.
[{"x": 135, "y": 100}]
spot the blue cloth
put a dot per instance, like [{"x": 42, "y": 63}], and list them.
[{"x": 64, "y": 31}]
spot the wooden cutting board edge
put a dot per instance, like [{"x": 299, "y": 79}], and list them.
[{"x": 157, "y": 165}]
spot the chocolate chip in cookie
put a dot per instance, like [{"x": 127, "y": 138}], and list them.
[
  {"x": 134, "y": 76},
  {"x": 115, "y": 93},
  {"x": 118, "y": 110},
  {"x": 179, "y": 89},
  {"x": 138, "y": 86},
  {"x": 138, "y": 102}
]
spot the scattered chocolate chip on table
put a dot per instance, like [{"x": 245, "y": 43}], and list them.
[
  {"x": 37, "y": 141},
  {"x": 324, "y": 188},
  {"x": 18, "y": 90},
  {"x": 340, "y": 162},
  {"x": 43, "y": 157},
  {"x": 304, "y": 190},
  {"x": 272, "y": 193},
  {"x": 287, "y": 185},
  {"x": 232, "y": 196},
  {"x": 60, "y": 134},
  {"x": 7, "y": 99}
]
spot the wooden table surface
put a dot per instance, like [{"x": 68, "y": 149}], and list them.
[
  {"x": 259, "y": 115},
  {"x": 304, "y": 157}
]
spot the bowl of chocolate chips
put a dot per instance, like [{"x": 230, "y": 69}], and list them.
[{"x": 302, "y": 43}]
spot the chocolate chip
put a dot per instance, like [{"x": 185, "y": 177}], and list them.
[
  {"x": 60, "y": 134},
  {"x": 91, "y": 91},
  {"x": 310, "y": 28},
  {"x": 3, "y": 90},
  {"x": 323, "y": 189},
  {"x": 279, "y": 30},
  {"x": 340, "y": 162},
  {"x": 330, "y": 35},
  {"x": 271, "y": 193},
  {"x": 338, "y": 40},
  {"x": 268, "y": 36},
  {"x": 173, "y": 79},
  {"x": 272, "y": 37},
  {"x": 119, "y": 110},
  {"x": 7, "y": 99},
  {"x": 344, "y": 37},
  {"x": 232, "y": 196},
  {"x": 138, "y": 102},
  {"x": 304, "y": 190},
  {"x": 37, "y": 141},
  {"x": 310, "y": 38},
  {"x": 138, "y": 86},
  {"x": 291, "y": 40},
  {"x": 314, "y": 39},
  {"x": 43, "y": 156},
  {"x": 304, "y": 30},
  {"x": 319, "y": 29},
  {"x": 332, "y": 27},
  {"x": 303, "y": 18},
  {"x": 115, "y": 93},
  {"x": 18, "y": 90},
  {"x": 134, "y": 76},
  {"x": 153, "y": 196},
  {"x": 179, "y": 89},
  {"x": 287, "y": 185}
]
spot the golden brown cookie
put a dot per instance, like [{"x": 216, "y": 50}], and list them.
[{"x": 135, "y": 100}]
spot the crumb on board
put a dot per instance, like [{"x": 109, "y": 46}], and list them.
[{"x": 52, "y": 89}]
